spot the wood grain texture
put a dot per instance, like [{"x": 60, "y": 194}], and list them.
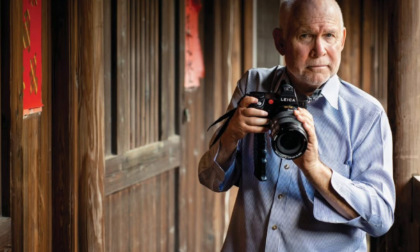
[
  {"x": 91, "y": 165},
  {"x": 403, "y": 105},
  {"x": 17, "y": 183},
  {"x": 142, "y": 163}
]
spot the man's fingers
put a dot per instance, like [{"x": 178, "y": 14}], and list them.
[{"x": 246, "y": 101}]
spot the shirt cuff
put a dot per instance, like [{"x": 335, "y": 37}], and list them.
[{"x": 323, "y": 211}]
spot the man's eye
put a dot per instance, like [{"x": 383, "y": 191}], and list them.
[{"x": 305, "y": 36}]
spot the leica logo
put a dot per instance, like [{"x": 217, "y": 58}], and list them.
[{"x": 286, "y": 99}]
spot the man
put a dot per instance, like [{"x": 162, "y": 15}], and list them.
[{"x": 342, "y": 186}]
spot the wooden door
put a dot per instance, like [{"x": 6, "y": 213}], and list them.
[{"x": 142, "y": 141}]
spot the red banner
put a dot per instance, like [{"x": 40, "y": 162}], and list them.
[
  {"x": 194, "y": 65},
  {"x": 32, "y": 56}
]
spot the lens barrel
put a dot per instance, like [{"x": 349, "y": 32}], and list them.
[{"x": 288, "y": 137}]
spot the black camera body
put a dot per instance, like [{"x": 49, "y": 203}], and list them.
[{"x": 288, "y": 137}]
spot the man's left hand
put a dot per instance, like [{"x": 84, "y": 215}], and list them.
[{"x": 309, "y": 161}]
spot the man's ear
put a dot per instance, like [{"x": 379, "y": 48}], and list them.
[
  {"x": 343, "y": 39},
  {"x": 279, "y": 41}
]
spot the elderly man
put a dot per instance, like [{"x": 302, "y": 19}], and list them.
[{"x": 342, "y": 185}]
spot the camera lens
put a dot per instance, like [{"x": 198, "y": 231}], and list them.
[{"x": 289, "y": 139}]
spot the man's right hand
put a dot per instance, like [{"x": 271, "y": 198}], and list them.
[{"x": 245, "y": 120}]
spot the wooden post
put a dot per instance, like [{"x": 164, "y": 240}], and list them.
[
  {"x": 403, "y": 110},
  {"x": 16, "y": 123},
  {"x": 90, "y": 155}
]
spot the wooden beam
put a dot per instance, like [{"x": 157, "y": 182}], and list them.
[
  {"x": 403, "y": 104},
  {"x": 16, "y": 122},
  {"x": 87, "y": 35},
  {"x": 142, "y": 163},
  {"x": 416, "y": 199}
]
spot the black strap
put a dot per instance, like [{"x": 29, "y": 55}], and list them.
[{"x": 226, "y": 116}]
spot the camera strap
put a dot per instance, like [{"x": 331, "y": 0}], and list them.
[
  {"x": 228, "y": 115},
  {"x": 270, "y": 80}
]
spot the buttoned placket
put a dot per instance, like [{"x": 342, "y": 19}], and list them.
[{"x": 279, "y": 201}]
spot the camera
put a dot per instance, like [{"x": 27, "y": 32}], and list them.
[{"x": 288, "y": 137}]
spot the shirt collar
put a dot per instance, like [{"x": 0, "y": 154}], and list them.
[{"x": 330, "y": 91}]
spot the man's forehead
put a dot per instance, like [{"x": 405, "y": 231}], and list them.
[{"x": 303, "y": 15}]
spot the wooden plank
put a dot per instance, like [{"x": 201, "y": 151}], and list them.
[
  {"x": 142, "y": 163},
  {"x": 404, "y": 118},
  {"x": 44, "y": 184},
  {"x": 139, "y": 73},
  {"x": 248, "y": 19},
  {"x": 155, "y": 51},
  {"x": 131, "y": 12},
  {"x": 122, "y": 79},
  {"x": 118, "y": 222},
  {"x": 143, "y": 71},
  {"x": 367, "y": 45},
  {"x": 350, "y": 68},
  {"x": 108, "y": 14},
  {"x": 16, "y": 121},
  {"x": 142, "y": 217},
  {"x": 91, "y": 127},
  {"x": 167, "y": 64},
  {"x": 31, "y": 166}
]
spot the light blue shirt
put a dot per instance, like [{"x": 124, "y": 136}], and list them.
[{"x": 285, "y": 213}]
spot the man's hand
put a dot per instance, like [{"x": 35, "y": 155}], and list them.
[
  {"x": 309, "y": 161},
  {"x": 245, "y": 120},
  {"x": 315, "y": 171}
]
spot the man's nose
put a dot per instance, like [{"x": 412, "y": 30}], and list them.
[{"x": 318, "y": 49}]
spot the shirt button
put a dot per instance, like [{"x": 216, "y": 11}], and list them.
[
  {"x": 274, "y": 227},
  {"x": 286, "y": 166},
  {"x": 280, "y": 196}
]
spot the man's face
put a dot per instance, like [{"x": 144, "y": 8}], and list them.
[{"x": 313, "y": 45}]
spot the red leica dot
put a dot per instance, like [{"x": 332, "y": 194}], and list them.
[{"x": 271, "y": 101}]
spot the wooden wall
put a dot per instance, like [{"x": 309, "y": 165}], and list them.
[
  {"x": 26, "y": 141},
  {"x": 364, "y": 59},
  {"x": 111, "y": 162},
  {"x": 142, "y": 135}
]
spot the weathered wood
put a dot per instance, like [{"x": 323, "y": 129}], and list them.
[
  {"x": 403, "y": 107},
  {"x": 351, "y": 65},
  {"x": 91, "y": 165},
  {"x": 142, "y": 217},
  {"x": 167, "y": 66},
  {"x": 249, "y": 33},
  {"x": 108, "y": 98},
  {"x": 367, "y": 31},
  {"x": 121, "y": 88},
  {"x": 16, "y": 122},
  {"x": 44, "y": 185},
  {"x": 142, "y": 163}
]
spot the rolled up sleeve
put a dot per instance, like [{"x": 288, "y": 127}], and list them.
[{"x": 369, "y": 189}]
